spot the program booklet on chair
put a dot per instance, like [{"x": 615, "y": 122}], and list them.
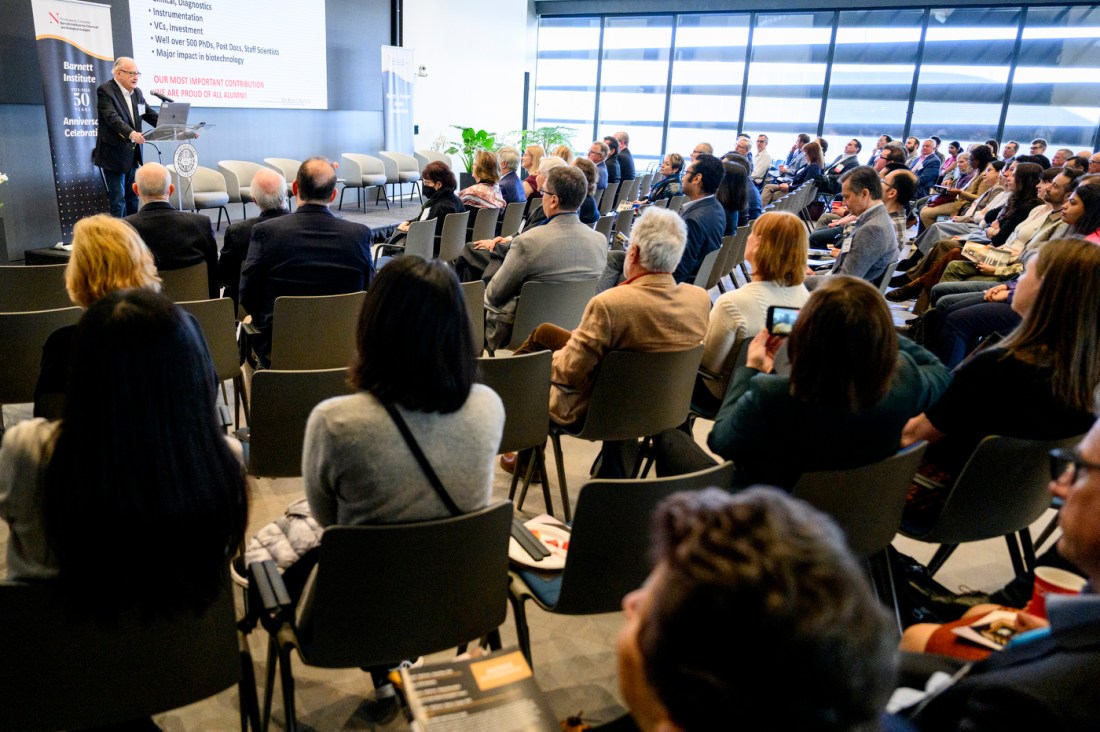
[{"x": 496, "y": 692}]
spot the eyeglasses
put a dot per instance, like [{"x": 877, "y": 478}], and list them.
[
  {"x": 132, "y": 74},
  {"x": 1061, "y": 462},
  {"x": 548, "y": 193}
]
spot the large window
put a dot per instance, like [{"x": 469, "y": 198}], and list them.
[
  {"x": 1056, "y": 89},
  {"x": 966, "y": 74}
]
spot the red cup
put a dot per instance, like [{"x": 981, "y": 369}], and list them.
[{"x": 1051, "y": 580}]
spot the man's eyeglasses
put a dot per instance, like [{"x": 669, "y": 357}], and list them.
[
  {"x": 132, "y": 74},
  {"x": 547, "y": 193},
  {"x": 1068, "y": 462}
]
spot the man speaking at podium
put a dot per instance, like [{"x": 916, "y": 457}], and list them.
[{"x": 119, "y": 139}]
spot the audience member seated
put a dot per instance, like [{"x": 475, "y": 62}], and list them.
[
  {"x": 486, "y": 192},
  {"x": 811, "y": 171},
  {"x": 703, "y": 148},
  {"x": 762, "y": 161},
  {"x": 308, "y": 252},
  {"x": 966, "y": 190},
  {"x": 530, "y": 161},
  {"x": 649, "y": 312},
  {"x": 670, "y": 183},
  {"x": 776, "y": 251},
  {"x": 830, "y": 179},
  {"x": 898, "y": 187},
  {"x": 135, "y": 499},
  {"x": 511, "y": 187},
  {"x": 949, "y": 166},
  {"x": 598, "y": 153},
  {"x": 589, "y": 212},
  {"x": 850, "y": 375},
  {"x": 733, "y": 194},
  {"x": 971, "y": 217},
  {"x": 626, "y": 158},
  {"x": 564, "y": 152},
  {"x": 442, "y": 201},
  {"x": 269, "y": 193},
  {"x": 481, "y": 259},
  {"x": 612, "y": 160},
  {"x": 1082, "y": 212},
  {"x": 796, "y": 158},
  {"x": 753, "y": 205},
  {"x": 1042, "y": 680},
  {"x": 563, "y": 249},
  {"x": 756, "y": 616},
  {"x": 926, "y": 166},
  {"x": 1046, "y": 371},
  {"x": 872, "y": 245},
  {"x": 107, "y": 256},
  {"x": 177, "y": 239}
]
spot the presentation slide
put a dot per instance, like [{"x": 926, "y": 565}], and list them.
[{"x": 233, "y": 53}]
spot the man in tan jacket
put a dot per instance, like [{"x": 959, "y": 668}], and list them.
[{"x": 648, "y": 311}]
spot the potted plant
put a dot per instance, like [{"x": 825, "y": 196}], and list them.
[
  {"x": 548, "y": 137},
  {"x": 472, "y": 141}
]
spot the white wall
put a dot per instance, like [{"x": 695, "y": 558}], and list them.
[{"x": 475, "y": 54}]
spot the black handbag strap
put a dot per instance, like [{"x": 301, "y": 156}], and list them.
[{"x": 421, "y": 458}]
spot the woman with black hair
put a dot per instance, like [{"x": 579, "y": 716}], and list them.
[
  {"x": 135, "y": 499},
  {"x": 732, "y": 194}
]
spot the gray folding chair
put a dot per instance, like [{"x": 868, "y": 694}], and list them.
[
  {"x": 419, "y": 242},
  {"x": 609, "y": 548},
  {"x": 485, "y": 224},
  {"x": 361, "y": 172},
  {"x": 736, "y": 257},
  {"x": 676, "y": 203},
  {"x": 25, "y": 289},
  {"x": 281, "y": 403},
  {"x": 238, "y": 176},
  {"x": 624, "y": 222},
  {"x": 523, "y": 384},
  {"x": 1000, "y": 491},
  {"x": 453, "y": 237},
  {"x": 560, "y": 303},
  {"x": 474, "y": 294},
  {"x": 533, "y": 204},
  {"x": 604, "y": 226},
  {"x": 513, "y": 217},
  {"x": 23, "y": 335},
  {"x": 883, "y": 281},
  {"x": 219, "y": 327},
  {"x": 607, "y": 200},
  {"x": 663, "y": 203},
  {"x": 622, "y": 376},
  {"x": 186, "y": 284},
  {"x": 315, "y": 332}
]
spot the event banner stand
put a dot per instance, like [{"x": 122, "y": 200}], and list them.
[{"x": 75, "y": 55}]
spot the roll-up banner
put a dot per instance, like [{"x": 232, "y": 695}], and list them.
[
  {"x": 75, "y": 55},
  {"x": 397, "y": 81}
]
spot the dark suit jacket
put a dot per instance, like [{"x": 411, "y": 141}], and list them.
[
  {"x": 308, "y": 252},
  {"x": 113, "y": 150},
  {"x": 511, "y": 187},
  {"x": 235, "y": 248},
  {"x": 1049, "y": 683},
  {"x": 626, "y": 165},
  {"x": 927, "y": 176},
  {"x": 612, "y": 164},
  {"x": 178, "y": 239},
  {"x": 706, "y": 222}
]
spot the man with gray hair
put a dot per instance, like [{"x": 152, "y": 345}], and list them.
[
  {"x": 121, "y": 109},
  {"x": 269, "y": 193},
  {"x": 598, "y": 153},
  {"x": 176, "y": 238},
  {"x": 561, "y": 250},
  {"x": 511, "y": 187},
  {"x": 649, "y": 312}
]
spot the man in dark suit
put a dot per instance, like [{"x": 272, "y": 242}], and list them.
[
  {"x": 511, "y": 187},
  {"x": 1045, "y": 679},
  {"x": 926, "y": 166},
  {"x": 626, "y": 158},
  {"x": 598, "y": 153},
  {"x": 269, "y": 193},
  {"x": 118, "y": 137},
  {"x": 704, "y": 216},
  {"x": 177, "y": 239},
  {"x": 308, "y": 252},
  {"x": 830, "y": 182}
]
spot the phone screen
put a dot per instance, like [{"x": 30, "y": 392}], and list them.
[{"x": 781, "y": 320}]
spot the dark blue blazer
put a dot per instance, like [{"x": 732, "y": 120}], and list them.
[
  {"x": 235, "y": 248},
  {"x": 178, "y": 239},
  {"x": 113, "y": 150},
  {"x": 308, "y": 252},
  {"x": 511, "y": 187},
  {"x": 706, "y": 223}
]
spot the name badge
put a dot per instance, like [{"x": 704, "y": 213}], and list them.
[
  {"x": 141, "y": 109},
  {"x": 847, "y": 245}
]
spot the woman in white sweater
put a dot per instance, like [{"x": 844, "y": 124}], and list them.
[{"x": 776, "y": 250}]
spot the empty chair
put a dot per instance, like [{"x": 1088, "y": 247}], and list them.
[
  {"x": 708, "y": 269},
  {"x": 523, "y": 384},
  {"x": 281, "y": 403},
  {"x": 444, "y": 584},
  {"x": 622, "y": 377},
  {"x": 23, "y": 335},
  {"x": 361, "y": 172},
  {"x": 24, "y": 289},
  {"x": 65, "y": 669},
  {"x": 624, "y": 221},
  {"x": 185, "y": 284},
  {"x": 513, "y": 217},
  {"x": 884, "y": 280},
  {"x": 315, "y": 332},
  {"x": 474, "y": 295},
  {"x": 1000, "y": 491},
  {"x": 423, "y": 157},
  {"x": 453, "y": 237},
  {"x": 607, "y": 200},
  {"x": 401, "y": 169},
  {"x": 609, "y": 548},
  {"x": 663, "y": 203},
  {"x": 736, "y": 257},
  {"x": 238, "y": 181},
  {"x": 485, "y": 223},
  {"x": 604, "y": 226},
  {"x": 206, "y": 188},
  {"x": 560, "y": 303},
  {"x": 676, "y": 203},
  {"x": 217, "y": 320}
]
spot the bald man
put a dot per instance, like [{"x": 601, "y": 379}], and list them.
[{"x": 177, "y": 239}]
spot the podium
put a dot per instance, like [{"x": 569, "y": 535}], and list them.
[{"x": 185, "y": 170}]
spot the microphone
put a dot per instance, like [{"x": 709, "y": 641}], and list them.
[{"x": 161, "y": 97}]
